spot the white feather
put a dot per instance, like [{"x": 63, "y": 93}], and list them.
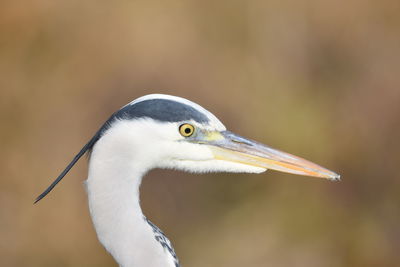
[{"x": 119, "y": 160}]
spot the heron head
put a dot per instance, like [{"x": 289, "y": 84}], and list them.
[{"x": 162, "y": 131}]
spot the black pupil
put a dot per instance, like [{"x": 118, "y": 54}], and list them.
[{"x": 188, "y": 130}]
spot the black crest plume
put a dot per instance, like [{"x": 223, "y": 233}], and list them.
[{"x": 87, "y": 147}]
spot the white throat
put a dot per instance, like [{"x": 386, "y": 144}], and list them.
[{"x": 113, "y": 191}]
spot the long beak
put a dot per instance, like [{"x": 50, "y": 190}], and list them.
[{"x": 231, "y": 147}]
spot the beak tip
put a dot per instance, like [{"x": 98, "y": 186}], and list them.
[{"x": 335, "y": 177}]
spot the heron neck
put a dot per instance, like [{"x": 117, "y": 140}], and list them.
[{"x": 113, "y": 192}]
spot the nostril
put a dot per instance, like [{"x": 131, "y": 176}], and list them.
[{"x": 242, "y": 142}]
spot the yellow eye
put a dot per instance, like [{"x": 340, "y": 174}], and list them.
[{"x": 186, "y": 130}]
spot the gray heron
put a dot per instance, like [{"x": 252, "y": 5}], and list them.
[{"x": 162, "y": 131}]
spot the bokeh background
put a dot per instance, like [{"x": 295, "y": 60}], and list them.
[{"x": 319, "y": 79}]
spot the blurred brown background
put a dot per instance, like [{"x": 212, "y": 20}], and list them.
[{"x": 319, "y": 79}]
